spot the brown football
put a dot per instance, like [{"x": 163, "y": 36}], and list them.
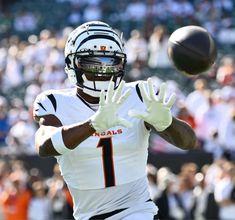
[{"x": 192, "y": 49}]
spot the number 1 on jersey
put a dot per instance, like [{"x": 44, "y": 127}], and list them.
[{"x": 107, "y": 159}]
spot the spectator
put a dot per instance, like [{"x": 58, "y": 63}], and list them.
[
  {"x": 189, "y": 170},
  {"x": 184, "y": 115},
  {"x": 92, "y": 12},
  {"x": 56, "y": 193},
  {"x": 227, "y": 134},
  {"x": 205, "y": 205},
  {"x": 25, "y": 21},
  {"x": 226, "y": 71},
  {"x": 16, "y": 108},
  {"x": 167, "y": 200},
  {"x": 136, "y": 10},
  {"x": 30, "y": 94},
  {"x": 136, "y": 48},
  {"x": 5, "y": 23},
  {"x": 15, "y": 196},
  {"x": 206, "y": 124},
  {"x": 52, "y": 78},
  {"x": 197, "y": 99},
  {"x": 75, "y": 17},
  {"x": 157, "y": 46},
  {"x": 152, "y": 178},
  {"x": 181, "y": 9},
  {"x": 225, "y": 6},
  {"x": 213, "y": 146},
  {"x": 185, "y": 197},
  {"x": 197, "y": 102},
  {"x": 43, "y": 47},
  {"x": 227, "y": 31},
  {"x": 4, "y": 121},
  {"x": 223, "y": 190},
  {"x": 40, "y": 207},
  {"x": 20, "y": 137},
  {"x": 138, "y": 71},
  {"x": 13, "y": 76}
]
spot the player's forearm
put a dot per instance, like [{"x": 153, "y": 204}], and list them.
[
  {"x": 72, "y": 136},
  {"x": 180, "y": 134}
]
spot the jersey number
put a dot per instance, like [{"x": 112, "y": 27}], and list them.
[{"x": 107, "y": 159}]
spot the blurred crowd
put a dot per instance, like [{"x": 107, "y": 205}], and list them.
[
  {"x": 200, "y": 194},
  {"x": 25, "y": 194},
  {"x": 27, "y": 16},
  {"x": 192, "y": 194},
  {"x": 32, "y": 61}
]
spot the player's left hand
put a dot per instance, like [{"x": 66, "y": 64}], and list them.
[{"x": 158, "y": 110}]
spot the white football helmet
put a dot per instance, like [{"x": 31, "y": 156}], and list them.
[{"x": 93, "y": 55}]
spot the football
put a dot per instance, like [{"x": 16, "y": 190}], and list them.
[{"x": 192, "y": 49}]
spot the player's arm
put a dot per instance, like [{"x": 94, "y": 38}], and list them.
[
  {"x": 158, "y": 117},
  {"x": 53, "y": 139},
  {"x": 72, "y": 135},
  {"x": 179, "y": 133}
]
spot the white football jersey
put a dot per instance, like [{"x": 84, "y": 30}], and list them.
[{"x": 115, "y": 157}]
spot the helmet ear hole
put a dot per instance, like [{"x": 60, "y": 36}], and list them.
[{"x": 71, "y": 75}]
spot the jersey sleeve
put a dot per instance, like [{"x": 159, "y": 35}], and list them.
[{"x": 44, "y": 104}]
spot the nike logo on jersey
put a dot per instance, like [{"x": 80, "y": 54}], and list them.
[{"x": 108, "y": 133}]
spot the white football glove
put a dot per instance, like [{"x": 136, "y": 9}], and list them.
[
  {"x": 106, "y": 116},
  {"x": 158, "y": 110}
]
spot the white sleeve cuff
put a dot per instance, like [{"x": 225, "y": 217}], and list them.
[{"x": 58, "y": 142}]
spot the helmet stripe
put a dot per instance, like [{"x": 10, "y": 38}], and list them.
[
  {"x": 100, "y": 25},
  {"x": 85, "y": 31},
  {"x": 99, "y": 36}
]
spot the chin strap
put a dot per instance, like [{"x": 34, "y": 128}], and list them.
[
  {"x": 91, "y": 87},
  {"x": 91, "y": 92}
]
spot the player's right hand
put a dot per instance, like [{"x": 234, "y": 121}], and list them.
[{"x": 106, "y": 115}]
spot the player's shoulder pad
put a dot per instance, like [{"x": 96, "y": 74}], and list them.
[
  {"x": 46, "y": 103},
  {"x": 135, "y": 86}
]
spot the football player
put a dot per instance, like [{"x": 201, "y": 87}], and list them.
[{"x": 99, "y": 130}]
